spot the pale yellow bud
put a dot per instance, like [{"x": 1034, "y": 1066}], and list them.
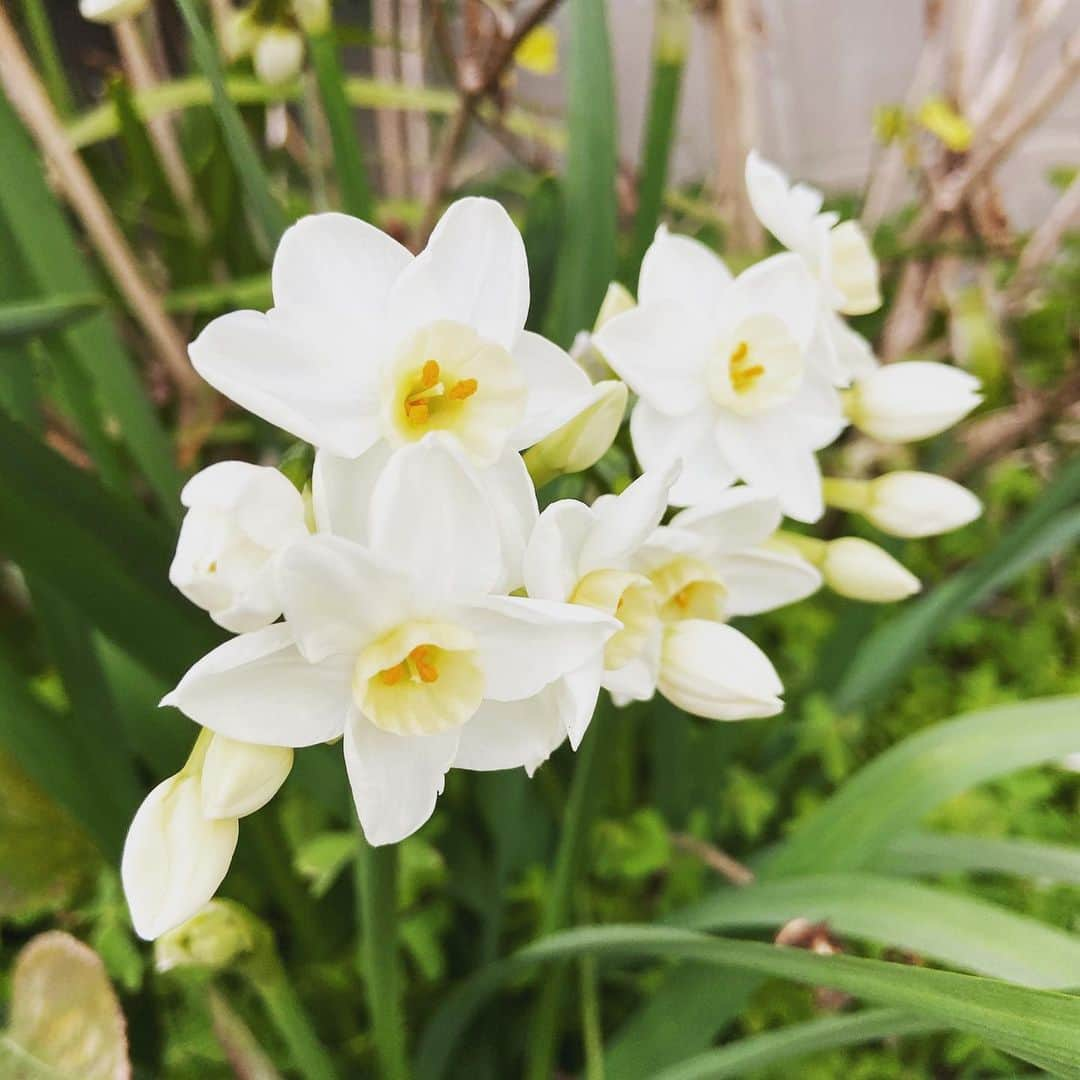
[
  {"x": 863, "y": 571},
  {"x": 216, "y": 937},
  {"x": 239, "y": 778}
]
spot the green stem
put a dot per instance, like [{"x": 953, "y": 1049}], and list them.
[
  {"x": 48, "y": 56},
  {"x": 580, "y": 808},
  {"x": 590, "y": 1020},
  {"x": 851, "y": 495},
  {"x": 352, "y": 175},
  {"x": 288, "y": 1013},
  {"x": 376, "y": 886}
]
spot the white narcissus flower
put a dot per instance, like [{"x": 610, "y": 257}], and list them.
[
  {"x": 239, "y": 518},
  {"x": 837, "y": 254},
  {"x": 911, "y": 400},
  {"x": 240, "y": 778},
  {"x": 400, "y": 645},
  {"x": 175, "y": 857},
  {"x": 367, "y": 344},
  {"x": 721, "y": 368},
  {"x": 110, "y": 11},
  {"x": 916, "y": 504},
  {"x": 590, "y": 556}
]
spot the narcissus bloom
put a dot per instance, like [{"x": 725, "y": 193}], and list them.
[
  {"x": 666, "y": 602},
  {"x": 401, "y": 645},
  {"x": 721, "y": 367},
  {"x": 912, "y": 400},
  {"x": 837, "y": 254},
  {"x": 110, "y": 11},
  {"x": 239, "y": 518},
  {"x": 367, "y": 344}
]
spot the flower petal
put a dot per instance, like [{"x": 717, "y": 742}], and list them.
[
  {"x": 473, "y": 271},
  {"x": 258, "y": 688},
  {"x": 430, "y": 516},
  {"x": 525, "y": 644},
  {"x": 512, "y": 499},
  {"x": 395, "y": 779},
  {"x": 513, "y": 734},
  {"x": 269, "y": 368},
  {"x": 787, "y": 211},
  {"x": 738, "y": 518},
  {"x": 661, "y": 352},
  {"x": 782, "y": 286},
  {"x": 558, "y": 388},
  {"x": 659, "y": 439},
  {"x": 762, "y": 580},
  {"x": 682, "y": 270},
  {"x": 341, "y": 490},
  {"x": 554, "y": 551}
]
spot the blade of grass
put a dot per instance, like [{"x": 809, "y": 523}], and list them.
[
  {"x": 29, "y": 318},
  {"x": 48, "y": 56}
]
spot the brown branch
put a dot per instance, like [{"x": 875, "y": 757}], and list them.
[
  {"x": 714, "y": 858},
  {"x": 1044, "y": 242}
]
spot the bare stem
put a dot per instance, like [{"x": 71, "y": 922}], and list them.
[{"x": 714, "y": 858}]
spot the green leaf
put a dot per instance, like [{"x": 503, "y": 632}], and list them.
[
  {"x": 958, "y": 930},
  {"x": 898, "y": 789},
  {"x": 264, "y": 208},
  {"x": 248, "y": 292},
  {"x": 1051, "y": 525},
  {"x": 349, "y": 166},
  {"x": 28, "y": 318},
  {"x": 774, "y": 1048},
  {"x": 919, "y": 853},
  {"x": 1039, "y": 1026},
  {"x": 587, "y": 259}
]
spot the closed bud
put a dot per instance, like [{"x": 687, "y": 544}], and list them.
[
  {"x": 312, "y": 15},
  {"x": 239, "y": 517},
  {"x": 913, "y": 400},
  {"x": 278, "y": 55},
  {"x": 239, "y": 778},
  {"x": 239, "y": 32},
  {"x": 617, "y": 299},
  {"x": 110, "y": 11},
  {"x": 583, "y": 440},
  {"x": 712, "y": 670},
  {"x": 917, "y": 504},
  {"x": 853, "y": 270},
  {"x": 216, "y": 937},
  {"x": 863, "y": 571}
]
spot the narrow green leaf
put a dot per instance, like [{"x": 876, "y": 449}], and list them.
[
  {"x": 264, "y": 208},
  {"x": 775, "y": 1048},
  {"x": 1051, "y": 525},
  {"x": 27, "y": 318},
  {"x": 1039, "y": 1026},
  {"x": 352, "y": 175},
  {"x": 248, "y": 292},
  {"x": 587, "y": 259},
  {"x": 898, "y": 789},
  {"x": 959, "y": 930},
  {"x": 49, "y": 61},
  {"x": 925, "y": 853}
]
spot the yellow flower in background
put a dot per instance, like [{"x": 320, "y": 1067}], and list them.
[
  {"x": 942, "y": 120},
  {"x": 539, "y": 51}
]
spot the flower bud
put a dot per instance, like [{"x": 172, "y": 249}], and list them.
[
  {"x": 239, "y": 517},
  {"x": 863, "y": 571},
  {"x": 853, "y": 270},
  {"x": 312, "y": 15},
  {"x": 174, "y": 856},
  {"x": 239, "y": 32},
  {"x": 239, "y": 778},
  {"x": 911, "y": 400},
  {"x": 617, "y": 300},
  {"x": 278, "y": 55},
  {"x": 110, "y": 11},
  {"x": 218, "y": 935},
  {"x": 583, "y": 440},
  {"x": 917, "y": 504},
  {"x": 712, "y": 670}
]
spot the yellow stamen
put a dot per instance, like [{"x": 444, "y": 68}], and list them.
[
  {"x": 743, "y": 376},
  {"x": 392, "y": 675},
  {"x": 429, "y": 375},
  {"x": 463, "y": 389},
  {"x": 417, "y": 412}
]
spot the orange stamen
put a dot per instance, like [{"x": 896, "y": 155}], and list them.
[
  {"x": 429, "y": 374},
  {"x": 463, "y": 389},
  {"x": 392, "y": 675},
  {"x": 417, "y": 412}
]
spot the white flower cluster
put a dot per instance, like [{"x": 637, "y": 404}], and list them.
[{"x": 414, "y": 602}]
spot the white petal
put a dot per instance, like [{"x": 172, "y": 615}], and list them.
[
  {"x": 263, "y": 364},
  {"x": 735, "y": 519},
  {"x": 762, "y": 580},
  {"x": 336, "y": 268},
  {"x": 659, "y": 440},
  {"x": 558, "y": 388},
  {"x": 682, "y": 270},
  {"x": 636, "y": 681},
  {"x": 258, "y": 688},
  {"x": 473, "y": 271},
  {"x": 337, "y": 596},
  {"x": 341, "y": 490},
  {"x": 576, "y": 695},
  {"x": 554, "y": 551},
  {"x": 787, "y": 211},
  {"x": 395, "y": 779},
  {"x": 780, "y": 285},
  {"x": 174, "y": 858},
  {"x": 430, "y": 516},
  {"x": 661, "y": 352},
  {"x": 239, "y": 778},
  {"x": 512, "y": 734},
  {"x": 512, "y": 499},
  {"x": 525, "y": 644},
  {"x": 854, "y": 353},
  {"x": 624, "y": 522},
  {"x": 763, "y": 453},
  {"x": 815, "y": 415},
  {"x": 711, "y": 670}
]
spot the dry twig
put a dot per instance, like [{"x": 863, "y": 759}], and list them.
[{"x": 714, "y": 858}]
